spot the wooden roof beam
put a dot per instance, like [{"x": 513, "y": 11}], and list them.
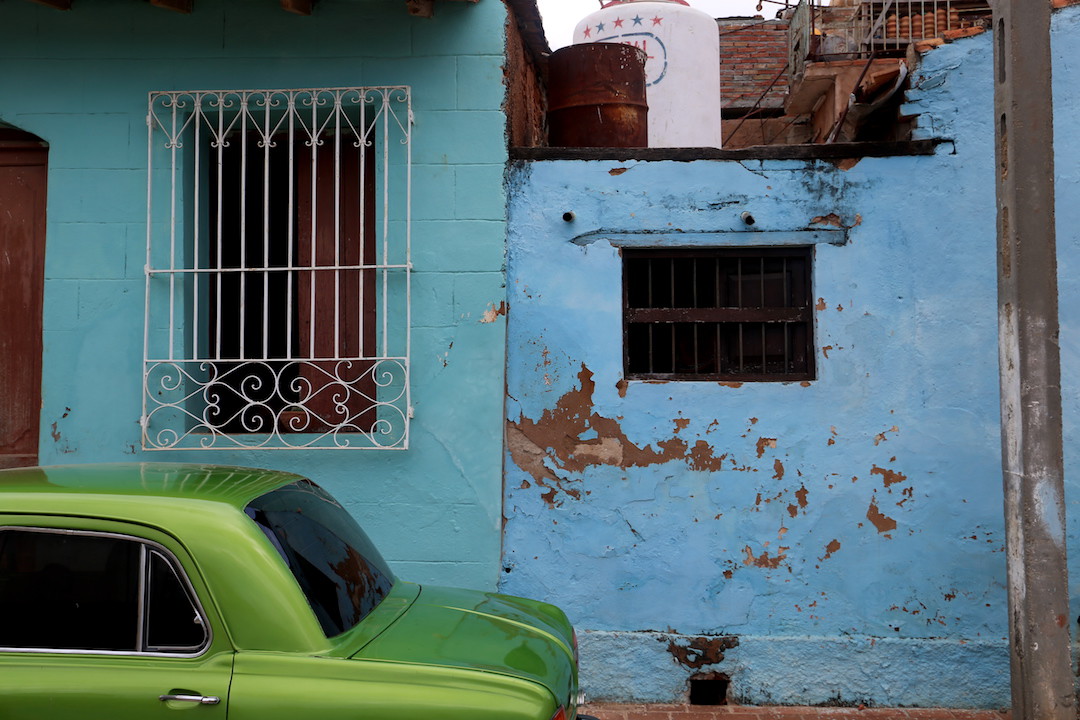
[
  {"x": 425, "y": 8},
  {"x": 180, "y": 6},
  {"x": 299, "y": 7},
  {"x": 56, "y": 4}
]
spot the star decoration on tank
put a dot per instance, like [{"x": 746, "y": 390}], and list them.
[
  {"x": 588, "y": 31},
  {"x": 618, "y": 22},
  {"x": 656, "y": 20},
  {"x": 600, "y": 27},
  {"x": 637, "y": 19}
]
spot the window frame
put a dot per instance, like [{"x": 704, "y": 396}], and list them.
[
  {"x": 351, "y": 391},
  {"x": 719, "y": 316},
  {"x": 146, "y": 548}
]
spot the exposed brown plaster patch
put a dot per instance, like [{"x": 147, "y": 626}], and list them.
[
  {"x": 800, "y": 496},
  {"x": 702, "y": 458},
  {"x": 608, "y": 451},
  {"x": 882, "y": 522},
  {"x": 55, "y": 432},
  {"x": 753, "y": 421},
  {"x": 832, "y": 547},
  {"x": 524, "y": 485},
  {"x": 880, "y": 437},
  {"x": 778, "y": 469},
  {"x": 702, "y": 651},
  {"x": 908, "y": 493},
  {"x": 621, "y": 387},
  {"x": 821, "y": 305},
  {"x": 493, "y": 312},
  {"x": 763, "y": 443},
  {"x": 728, "y": 574},
  {"x": 845, "y": 163},
  {"x": 890, "y": 477},
  {"x": 793, "y": 510},
  {"x": 825, "y": 350},
  {"x": 553, "y": 441},
  {"x": 681, "y": 424},
  {"x": 805, "y": 383},
  {"x": 763, "y": 560},
  {"x": 617, "y": 171},
  {"x": 836, "y": 221},
  {"x": 730, "y": 384}
]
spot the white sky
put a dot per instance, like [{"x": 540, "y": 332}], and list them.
[{"x": 560, "y": 16}]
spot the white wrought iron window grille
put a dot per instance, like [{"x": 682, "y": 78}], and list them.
[{"x": 277, "y": 269}]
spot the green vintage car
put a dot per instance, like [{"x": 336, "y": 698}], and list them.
[{"x": 143, "y": 590}]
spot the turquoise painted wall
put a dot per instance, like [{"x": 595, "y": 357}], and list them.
[
  {"x": 80, "y": 79},
  {"x": 839, "y": 540}
]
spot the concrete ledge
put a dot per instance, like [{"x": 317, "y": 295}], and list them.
[
  {"x": 654, "y": 667},
  {"x": 616, "y": 711}
]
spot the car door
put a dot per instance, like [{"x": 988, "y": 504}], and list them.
[{"x": 104, "y": 623}]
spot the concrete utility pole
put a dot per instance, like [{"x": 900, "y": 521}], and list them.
[{"x": 1042, "y": 678}]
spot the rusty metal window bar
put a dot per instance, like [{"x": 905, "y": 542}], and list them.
[
  {"x": 278, "y": 269},
  {"x": 719, "y": 314}
]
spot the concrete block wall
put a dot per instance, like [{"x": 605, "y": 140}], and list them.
[{"x": 79, "y": 80}]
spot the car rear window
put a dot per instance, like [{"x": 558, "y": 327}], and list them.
[{"x": 339, "y": 570}]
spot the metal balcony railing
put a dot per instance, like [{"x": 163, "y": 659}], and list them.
[{"x": 820, "y": 32}]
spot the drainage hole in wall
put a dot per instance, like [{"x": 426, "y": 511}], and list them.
[{"x": 711, "y": 689}]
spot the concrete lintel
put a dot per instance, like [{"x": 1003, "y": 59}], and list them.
[{"x": 713, "y": 238}]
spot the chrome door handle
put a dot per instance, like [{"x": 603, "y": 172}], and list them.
[{"x": 201, "y": 699}]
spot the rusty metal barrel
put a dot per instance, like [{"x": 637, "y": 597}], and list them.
[{"x": 596, "y": 96}]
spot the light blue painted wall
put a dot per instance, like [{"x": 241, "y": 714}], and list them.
[
  {"x": 613, "y": 510},
  {"x": 80, "y": 80}
]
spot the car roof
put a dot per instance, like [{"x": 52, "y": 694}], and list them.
[{"x": 221, "y": 484}]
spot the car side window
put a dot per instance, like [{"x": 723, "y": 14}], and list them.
[{"x": 93, "y": 592}]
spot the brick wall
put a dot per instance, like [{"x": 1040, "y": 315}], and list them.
[{"x": 752, "y": 52}]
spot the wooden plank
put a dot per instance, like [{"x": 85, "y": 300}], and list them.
[
  {"x": 57, "y": 4},
  {"x": 421, "y": 8},
  {"x": 299, "y": 7},
  {"x": 181, "y": 6},
  {"x": 23, "y": 179},
  {"x": 757, "y": 152}
]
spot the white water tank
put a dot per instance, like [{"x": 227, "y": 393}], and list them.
[{"x": 682, "y": 73}]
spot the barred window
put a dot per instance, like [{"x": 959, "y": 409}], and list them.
[
  {"x": 277, "y": 298},
  {"x": 739, "y": 314}
]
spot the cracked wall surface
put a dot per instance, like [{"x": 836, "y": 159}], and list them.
[{"x": 840, "y": 538}]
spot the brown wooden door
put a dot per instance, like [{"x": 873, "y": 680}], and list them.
[{"x": 22, "y": 276}]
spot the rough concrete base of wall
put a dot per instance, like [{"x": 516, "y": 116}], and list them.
[
  {"x": 613, "y": 711},
  {"x": 653, "y": 667}
]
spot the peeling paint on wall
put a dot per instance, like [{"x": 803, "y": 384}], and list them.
[
  {"x": 809, "y": 524},
  {"x": 493, "y": 311},
  {"x": 698, "y": 652},
  {"x": 882, "y": 522},
  {"x": 556, "y": 439}
]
